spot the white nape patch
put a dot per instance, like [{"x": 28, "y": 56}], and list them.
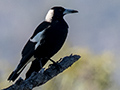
[
  {"x": 37, "y": 39},
  {"x": 49, "y": 15}
]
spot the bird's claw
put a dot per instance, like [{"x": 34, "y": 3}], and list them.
[{"x": 56, "y": 66}]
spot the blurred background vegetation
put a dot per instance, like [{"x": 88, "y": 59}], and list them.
[{"x": 91, "y": 72}]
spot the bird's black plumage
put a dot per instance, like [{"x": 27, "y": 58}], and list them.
[{"x": 46, "y": 41}]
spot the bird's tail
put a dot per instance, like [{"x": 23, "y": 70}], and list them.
[{"x": 15, "y": 74}]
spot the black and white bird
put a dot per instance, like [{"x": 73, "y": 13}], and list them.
[{"x": 46, "y": 41}]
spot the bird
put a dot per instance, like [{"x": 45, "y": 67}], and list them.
[{"x": 46, "y": 41}]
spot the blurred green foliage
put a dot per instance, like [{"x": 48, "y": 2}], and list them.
[{"x": 91, "y": 72}]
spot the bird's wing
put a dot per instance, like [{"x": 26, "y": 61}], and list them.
[
  {"x": 28, "y": 50},
  {"x": 32, "y": 43}
]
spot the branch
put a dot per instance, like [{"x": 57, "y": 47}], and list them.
[{"x": 37, "y": 79}]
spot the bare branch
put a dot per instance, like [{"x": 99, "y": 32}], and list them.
[{"x": 37, "y": 79}]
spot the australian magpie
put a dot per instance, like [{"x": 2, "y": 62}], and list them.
[{"x": 46, "y": 41}]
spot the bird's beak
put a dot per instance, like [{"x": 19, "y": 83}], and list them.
[{"x": 68, "y": 11}]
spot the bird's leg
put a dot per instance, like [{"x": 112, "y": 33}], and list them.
[
  {"x": 55, "y": 64},
  {"x": 40, "y": 62},
  {"x": 41, "y": 66},
  {"x": 52, "y": 61}
]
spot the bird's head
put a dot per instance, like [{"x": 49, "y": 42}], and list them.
[{"x": 58, "y": 13}]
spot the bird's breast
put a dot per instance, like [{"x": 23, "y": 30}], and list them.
[{"x": 51, "y": 40}]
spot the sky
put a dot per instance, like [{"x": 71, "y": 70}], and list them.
[{"x": 96, "y": 26}]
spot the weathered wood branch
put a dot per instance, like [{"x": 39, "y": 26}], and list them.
[{"x": 37, "y": 79}]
